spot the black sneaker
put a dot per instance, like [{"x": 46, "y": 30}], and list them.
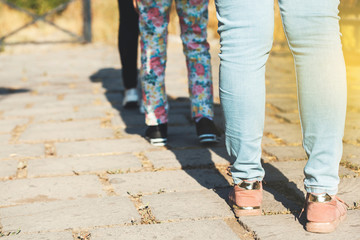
[
  {"x": 157, "y": 135},
  {"x": 207, "y": 131}
]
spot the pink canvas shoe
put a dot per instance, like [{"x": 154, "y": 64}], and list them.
[
  {"x": 324, "y": 212},
  {"x": 245, "y": 198}
]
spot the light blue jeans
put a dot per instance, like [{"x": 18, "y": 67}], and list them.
[{"x": 312, "y": 29}]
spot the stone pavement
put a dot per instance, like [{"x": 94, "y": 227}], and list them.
[{"x": 74, "y": 164}]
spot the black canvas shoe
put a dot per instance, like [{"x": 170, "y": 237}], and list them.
[
  {"x": 157, "y": 135},
  {"x": 207, "y": 131}
]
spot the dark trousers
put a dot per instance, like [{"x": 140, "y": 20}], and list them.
[{"x": 128, "y": 42}]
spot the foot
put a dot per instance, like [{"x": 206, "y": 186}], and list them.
[
  {"x": 245, "y": 198},
  {"x": 207, "y": 131},
  {"x": 131, "y": 98},
  {"x": 324, "y": 212},
  {"x": 157, "y": 135}
]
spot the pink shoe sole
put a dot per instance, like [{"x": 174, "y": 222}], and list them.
[
  {"x": 327, "y": 227},
  {"x": 243, "y": 212},
  {"x": 252, "y": 211}
]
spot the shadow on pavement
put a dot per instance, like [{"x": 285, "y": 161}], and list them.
[
  {"x": 183, "y": 142},
  {"x": 5, "y": 92},
  {"x": 8, "y": 91}
]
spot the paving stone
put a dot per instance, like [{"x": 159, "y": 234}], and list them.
[
  {"x": 192, "y": 230},
  {"x": 352, "y": 135},
  {"x": 266, "y": 141},
  {"x": 292, "y": 117},
  {"x": 51, "y": 166},
  {"x": 69, "y": 88},
  {"x": 188, "y": 157},
  {"x": 71, "y": 78},
  {"x": 21, "y": 151},
  {"x": 4, "y": 139},
  {"x": 42, "y": 236},
  {"x": 66, "y": 130},
  {"x": 178, "y": 119},
  {"x": 179, "y": 102},
  {"x": 282, "y": 89},
  {"x": 275, "y": 203},
  {"x": 292, "y": 171},
  {"x": 352, "y": 120},
  {"x": 69, "y": 116},
  {"x": 349, "y": 191},
  {"x": 290, "y": 133},
  {"x": 62, "y": 215},
  {"x": 181, "y": 137},
  {"x": 8, "y": 168},
  {"x": 36, "y": 111},
  {"x": 49, "y": 189},
  {"x": 84, "y": 98},
  {"x": 185, "y": 205},
  {"x": 185, "y": 136},
  {"x": 284, "y": 104},
  {"x": 103, "y": 107},
  {"x": 282, "y": 226},
  {"x": 128, "y": 118},
  {"x": 352, "y": 123},
  {"x": 7, "y": 125},
  {"x": 352, "y": 153},
  {"x": 27, "y": 98},
  {"x": 285, "y": 153},
  {"x": 167, "y": 181},
  {"x": 102, "y": 147}
]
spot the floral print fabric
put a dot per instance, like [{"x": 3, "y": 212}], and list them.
[{"x": 154, "y": 19}]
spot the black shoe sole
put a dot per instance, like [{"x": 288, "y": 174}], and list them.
[{"x": 131, "y": 105}]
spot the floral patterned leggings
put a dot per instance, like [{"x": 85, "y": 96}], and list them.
[{"x": 154, "y": 19}]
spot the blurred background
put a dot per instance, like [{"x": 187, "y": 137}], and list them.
[{"x": 104, "y": 23}]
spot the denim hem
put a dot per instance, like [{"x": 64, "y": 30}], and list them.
[{"x": 330, "y": 191}]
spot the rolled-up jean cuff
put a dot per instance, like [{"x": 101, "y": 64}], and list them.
[
  {"x": 330, "y": 191},
  {"x": 238, "y": 180}
]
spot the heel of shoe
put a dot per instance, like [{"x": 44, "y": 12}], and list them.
[
  {"x": 317, "y": 227},
  {"x": 324, "y": 227},
  {"x": 247, "y": 212}
]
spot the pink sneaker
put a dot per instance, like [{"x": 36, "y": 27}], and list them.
[
  {"x": 245, "y": 198},
  {"x": 324, "y": 212}
]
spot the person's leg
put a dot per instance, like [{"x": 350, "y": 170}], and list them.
[
  {"x": 312, "y": 28},
  {"x": 193, "y": 15},
  {"x": 154, "y": 18},
  {"x": 128, "y": 42},
  {"x": 246, "y": 33}
]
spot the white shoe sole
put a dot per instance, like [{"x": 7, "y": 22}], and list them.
[
  {"x": 159, "y": 142},
  {"x": 208, "y": 138}
]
